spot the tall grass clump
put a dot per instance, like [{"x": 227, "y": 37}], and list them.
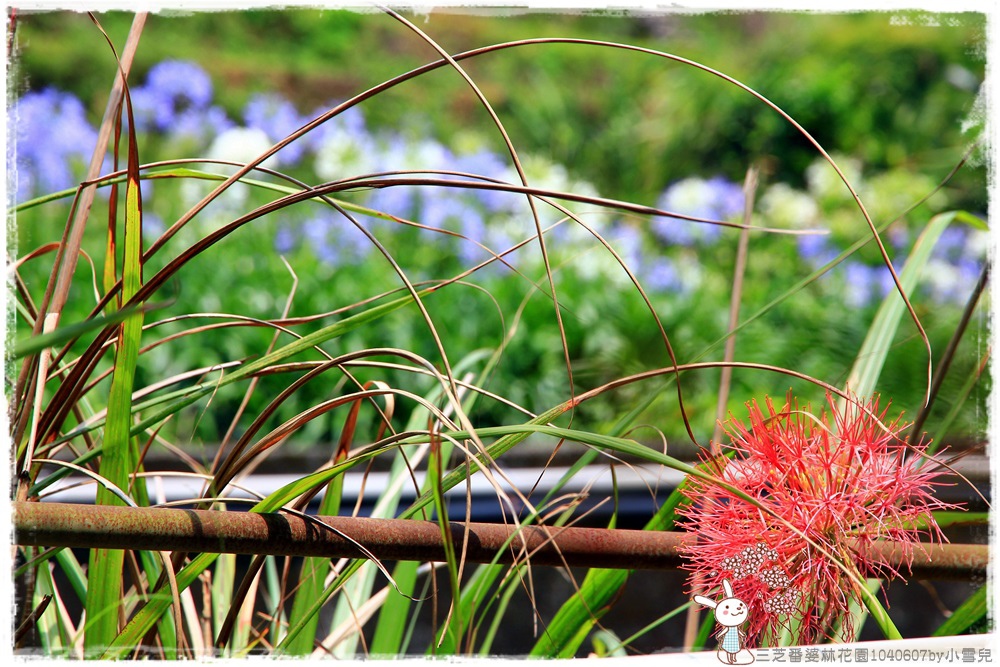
[{"x": 201, "y": 297}]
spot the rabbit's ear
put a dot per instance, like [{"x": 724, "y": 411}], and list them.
[
  {"x": 701, "y": 599},
  {"x": 728, "y": 587}
]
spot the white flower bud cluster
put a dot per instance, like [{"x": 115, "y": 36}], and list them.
[{"x": 786, "y": 602}]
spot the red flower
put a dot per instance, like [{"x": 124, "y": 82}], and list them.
[{"x": 828, "y": 492}]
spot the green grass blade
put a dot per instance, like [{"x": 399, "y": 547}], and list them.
[
  {"x": 970, "y": 612},
  {"x": 650, "y": 627},
  {"x": 574, "y": 620},
  {"x": 293, "y": 631},
  {"x": 704, "y": 632},
  {"x": 187, "y": 396},
  {"x": 389, "y": 627},
  {"x": 608, "y": 581},
  {"x": 223, "y": 588},
  {"x": 312, "y": 581},
  {"x": 607, "y": 645},
  {"x": 388, "y": 638},
  {"x": 509, "y": 437},
  {"x": 104, "y": 580},
  {"x": 475, "y": 599},
  {"x": 35, "y": 344},
  {"x": 434, "y": 470},
  {"x": 297, "y": 346},
  {"x": 623, "y": 424},
  {"x": 388, "y": 633},
  {"x": 491, "y": 572},
  {"x": 958, "y": 403},
  {"x": 947, "y": 518},
  {"x": 52, "y": 632},
  {"x": 864, "y": 375},
  {"x": 73, "y": 572},
  {"x": 360, "y": 588},
  {"x": 878, "y": 612},
  {"x": 578, "y": 615},
  {"x": 159, "y": 601},
  {"x": 166, "y": 628},
  {"x": 272, "y": 581},
  {"x": 507, "y": 441}
]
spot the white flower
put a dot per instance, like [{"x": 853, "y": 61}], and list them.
[
  {"x": 978, "y": 244},
  {"x": 237, "y": 144},
  {"x": 943, "y": 278},
  {"x": 787, "y": 207},
  {"x": 824, "y": 182},
  {"x": 342, "y": 155},
  {"x": 546, "y": 175},
  {"x": 241, "y": 144}
]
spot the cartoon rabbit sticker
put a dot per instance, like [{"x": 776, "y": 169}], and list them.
[{"x": 730, "y": 613}]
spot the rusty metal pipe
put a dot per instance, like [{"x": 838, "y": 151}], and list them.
[{"x": 154, "y": 529}]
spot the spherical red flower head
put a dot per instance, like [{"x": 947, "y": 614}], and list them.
[{"x": 826, "y": 490}]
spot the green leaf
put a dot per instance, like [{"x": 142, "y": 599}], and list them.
[
  {"x": 509, "y": 437},
  {"x": 35, "y": 344},
  {"x": 312, "y": 581},
  {"x": 388, "y": 639},
  {"x": 73, "y": 572},
  {"x": 968, "y": 614},
  {"x": 608, "y": 645},
  {"x": 878, "y": 612},
  {"x": 298, "y": 487},
  {"x": 864, "y": 375},
  {"x": 867, "y": 368},
  {"x": 223, "y": 587},
  {"x": 515, "y": 584},
  {"x": 52, "y": 631},
  {"x": 454, "y": 618},
  {"x": 389, "y": 626},
  {"x": 158, "y": 603},
  {"x": 651, "y": 626},
  {"x": 578, "y": 615},
  {"x": 104, "y": 580}
]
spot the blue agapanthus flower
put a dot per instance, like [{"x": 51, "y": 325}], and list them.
[
  {"x": 51, "y": 136},
  {"x": 656, "y": 272},
  {"x": 171, "y": 88},
  {"x": 350, "y": 122},
  {"x": 866, "y": 284},
  {"x": 714, "y": 199},
  {"x": 201, "y": 125},
  {"x": 278, "y": 118},
  {"x": 662, "y": 276},
  {"x": 470, "y": 250},
  {"x": 951, "y": 244},
  {"x": 445, "y": 209},
  {"x": 489, "y": 165},
  {"x": 397, "y": 200},
  {"x": 628, "y": 243},
  {"x": 816, "y": 249},
  {"x": 334, "y": 239}
]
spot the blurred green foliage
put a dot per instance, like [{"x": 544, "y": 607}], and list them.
[
  {"x": 889, "y": 89},
  {"x": 610, "y": 333}
]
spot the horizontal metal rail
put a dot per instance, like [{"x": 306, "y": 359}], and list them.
[{"x": 160, "y": 529}]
